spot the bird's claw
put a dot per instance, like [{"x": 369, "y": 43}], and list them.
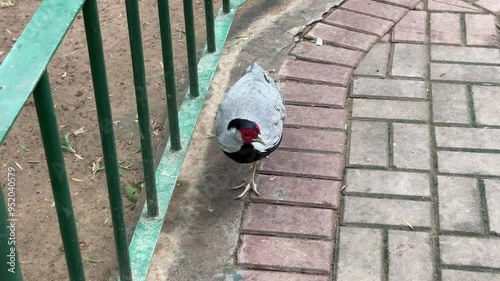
[{"x": 248, "y": 186}]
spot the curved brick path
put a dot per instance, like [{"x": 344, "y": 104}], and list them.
[{"x": 422, "y": 190}]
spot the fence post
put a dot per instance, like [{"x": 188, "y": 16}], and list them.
[
  {"x": 226, "y": 6},
  {"x": 141, "y": 95},
  {"x": 101, "y": 92},
  {"x": 58, "y": 177},
  {"x": 194, "y": 90},
  {"x": 169, "y": 74},
  {"x": 209, "y": 21}
]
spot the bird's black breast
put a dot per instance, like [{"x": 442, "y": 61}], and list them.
[{"x": 248, "y": 153}]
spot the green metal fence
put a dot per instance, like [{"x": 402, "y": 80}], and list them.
[{"x": 23, "y": 73}]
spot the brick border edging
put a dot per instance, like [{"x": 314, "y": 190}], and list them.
[{"x": 301, "y": 184}]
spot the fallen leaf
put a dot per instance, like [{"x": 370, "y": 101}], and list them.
[{"x": 79, "y": 131}]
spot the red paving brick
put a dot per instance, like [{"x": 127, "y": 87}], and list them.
[
  {"x": 311, "y": 165},
  {"x": 360, "y": 22},
  {"x": 328, "y": 54},
  {"x": 342, "y": 37},
  {"x": 319, "y": 117},
  {"x": 261, "y": 275},
  {"x": 411, "y": 28},
  {"x": 285, "y": 253},
  {"x": 298, "y": 191},
  {"x": 445, "y": 28},
  {"x": 314, "y": 139},
  {"x": 378, "y": 9},
  {"x": 316, "y": 72},
  {"x": 314, "y": 94},
  {"x": 262, "y": 218},
  {"x": 481, "y": 30}
]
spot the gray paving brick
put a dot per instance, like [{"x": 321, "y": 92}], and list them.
[
  {"x": 409, "y": 60},
  {"x": 470, "y": 251},
  {"x": 387, "y": 211},
  {"x": 449, "y": 103},
  {"x": 375, "y": 62},
  {"x": 459, "y": 204},
  {"x": 368, "y": 143},
  {"x": 459, "y": 275},
  {"x": 465, "y": 54},
  {"x": 477, "y": 138},
  {"x": 492, "y": 188},
  {"x": 411, "y": 146},
  {"x": 390, "y": 109},
  {"x": 469, "y": 163},
  {"x": 410, "y": 256},
  {"x": 360, "y": 254},
  {"x": 465, "y": 73},
  {"x": 364, "y": 86},
  {"x": 487, "y": 104},
  {"x": 387, "y": 182}
]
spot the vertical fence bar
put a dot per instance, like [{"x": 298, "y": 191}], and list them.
[
  {"x": 141, "y": 95},
  {"x": 99, "y": 80},
  {"x": 226, "y": 6},
  {"x": 194, "y": 90},
  {"x": 58, "y": 177},
  {"x": 169, "y": 74},
  {"x": 9, "y": 261},
  {"x": 209, "y": 19}
]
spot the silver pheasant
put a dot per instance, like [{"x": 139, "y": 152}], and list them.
[{"x": 249, "y": 121}]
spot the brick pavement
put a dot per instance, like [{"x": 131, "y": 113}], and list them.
[{"x": 390, "y": 164}]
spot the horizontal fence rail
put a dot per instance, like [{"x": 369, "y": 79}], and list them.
[{"x": 23, "y": 72}]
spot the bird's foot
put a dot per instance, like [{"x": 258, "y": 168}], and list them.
[{"x": 249, "y": 184}]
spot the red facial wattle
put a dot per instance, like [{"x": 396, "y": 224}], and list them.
[{"x": 248, "y": 135}]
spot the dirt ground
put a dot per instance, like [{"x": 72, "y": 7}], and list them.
[{"x": 38, "y": 239}]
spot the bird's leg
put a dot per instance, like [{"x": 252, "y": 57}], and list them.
[{"x": 249, "y": 183}]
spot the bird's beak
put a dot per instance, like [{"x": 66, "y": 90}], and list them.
[{"x": 259, "y": 140}]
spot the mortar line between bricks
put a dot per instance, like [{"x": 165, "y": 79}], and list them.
[
  {"x": 466, "y": 234},
  {"x": 312, "y": 151},
  {"x": 456, "y": 125},
  {"x": 309, "y": 104},
  {"x": 380, "y": 168},
  {"x": 472, "y": 150},
  {"x": 405, "y": 121},
  {"x": 463, "y": 31},
  {"x": 301, "y": 205},
  {"x": 390, "y": 148},
  {"x": 350, "y": 28},
  {"x": 387, "y": 226},
  {"x": 466, "y": 63},
  {"x": 291, "y": 204},
  {"x": 390, "y": 58},
  {"x": 385, "y": 255},
  {"x": 470, "y": 105},
  {"x": 473, "y": 83},
  {"x": 469, "y": 175},
  {"x": 484, "y": 205},
  {"x": 471, "y": 268},
  {"x": 390, "y": 77},
  {"x": 291, "y": 126},
  {"x": 304, "y": 58},
  {"x": 387, "y": 196},
  {"x": 433, "y": 157},
  {"x": 284, "y": 235},
  {"x": 388, "y": 98},
  {"x": 341, "y": 215},
  {"x": 394, "y": 4}
]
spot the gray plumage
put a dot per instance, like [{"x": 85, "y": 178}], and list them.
[{"x": 254, "y": 97}]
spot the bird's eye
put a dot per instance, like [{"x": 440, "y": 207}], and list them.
[{"x": 246, "y": 134}]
